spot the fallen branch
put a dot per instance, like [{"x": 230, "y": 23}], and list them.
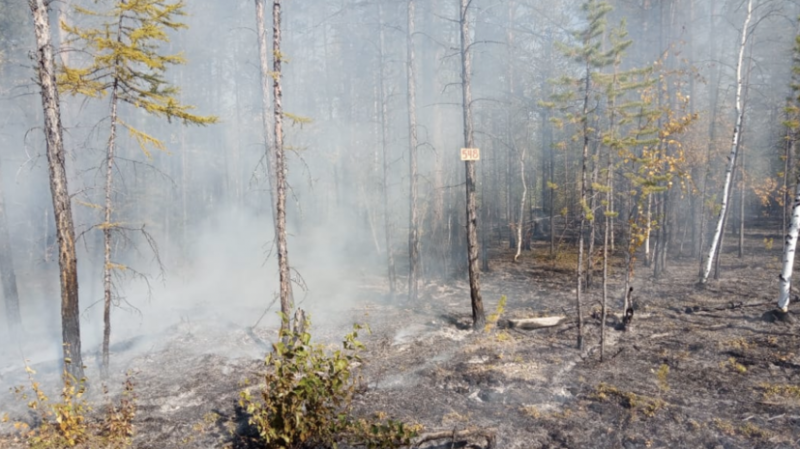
[
  {"x": 536, "y": 323},
  {"x": 488, "y": 434}
]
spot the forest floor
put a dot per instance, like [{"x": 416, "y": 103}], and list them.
[{"x": 698, "y": 368}]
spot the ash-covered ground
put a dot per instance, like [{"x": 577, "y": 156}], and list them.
[{"x": 699, "y": 368}]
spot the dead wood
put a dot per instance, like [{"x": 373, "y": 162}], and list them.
[
  {"x": 536, "y": 323},
  {"x": 490, "y": 435}
]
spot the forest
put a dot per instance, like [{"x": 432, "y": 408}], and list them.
[{"x": 399, "y": 223}]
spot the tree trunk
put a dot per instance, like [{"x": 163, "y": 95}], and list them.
[
  {"x": 107, "y": 228},
  {"x": 734, "y": 145},
  {"x": 280, "y": 170},
  {"x": 269, "y": 153},
  {"x": 67, "y": 260},
  {"x": 583, "y": 205},
  {"x": 790, "y": 243},
  {"x": 413, "y": 229},
  {"x": 521, "y": 221},
  {"x": 8, "y": 276},
  {"x": 787, "y": 168},
  {"x": 387, "y": 222},
  {"x": 478, "y": 316}
]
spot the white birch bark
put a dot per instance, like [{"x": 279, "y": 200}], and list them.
[
  {"x": 521, "y": 221},
  {"x": 789, "y": 245},
  {"x": 734, "y": 144}
]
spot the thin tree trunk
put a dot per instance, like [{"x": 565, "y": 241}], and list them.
[
  {"x": 583, "y": 205},
  {"x": 478, "y": 316},
  {"x": 787, "y": 167},
  {"x": 269, "y": 150},
  {"x": 413, "y": 229},
  {"x": 741, "y": 206},
  {"x": 521, "y": 221},
  {"x": 790, "y": 243},
  {"x": 734, "y": 145},
  {"x": 8, "y": 277},
  {"x": 384, "y": 111},
  {"x": 67, "y": 260},
  {"x": 280, "y": 170}
]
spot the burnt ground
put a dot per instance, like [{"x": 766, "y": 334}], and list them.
[{"x": 699, "y": 367}]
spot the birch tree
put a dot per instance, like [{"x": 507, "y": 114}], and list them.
[
  {"x": 62, "y": 208},
  {"x": 127, "y": 67},
  {"x": 734, "y": 145},
  {"x": 790, "y": 241}
]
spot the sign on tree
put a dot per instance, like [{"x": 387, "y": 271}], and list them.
[{"x": 470, "y": 154}]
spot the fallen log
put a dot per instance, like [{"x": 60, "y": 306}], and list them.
[
  {"x": 535, "y": 323},
  {"x": 457, "y": 436}
]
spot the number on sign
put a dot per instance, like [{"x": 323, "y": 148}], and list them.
[{"x": 470, "y": 154}]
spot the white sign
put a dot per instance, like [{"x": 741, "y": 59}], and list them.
[{"x": 470, "y": 154}]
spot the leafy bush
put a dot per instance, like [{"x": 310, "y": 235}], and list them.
[
  {"x": 68, "y": 423},
  {"x": 306, "y": 398}
]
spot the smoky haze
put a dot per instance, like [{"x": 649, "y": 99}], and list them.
[{"x": 204, "y": 200}]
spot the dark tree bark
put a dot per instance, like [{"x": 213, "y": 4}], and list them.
[
  {"x": 478, "y": 315},
  {"x": 62, "y": 208}
]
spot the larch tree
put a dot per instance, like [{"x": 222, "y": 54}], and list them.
[
  {"x": 478, "y": 315},
  {"x": 266, "y": 77},
  {"x": 62, "y": 207},
  {"x": 126, "y": 66},
  {"x": 589, "y": 53},
  {"x": 734, "y": 146},
  {"x": 280, "y": 170}
]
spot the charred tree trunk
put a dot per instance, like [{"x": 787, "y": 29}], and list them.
[
  {"x": 67, "y": 260},
  {"x": 413, "y": 229},
  {"x": 280, "y": 170},
  {"x": 478, "y": 316}
]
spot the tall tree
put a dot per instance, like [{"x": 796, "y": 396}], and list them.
[
  {"x": 413, "y": 227},
  {"x": 280, "y": 170},
  {"x": 478, "y": 315},
  {"x": 269, "y": 150},
  {"x": 734, "y": 146},
  {"x": 588, "y": 52},
  {"x": 790, "y": 240},
  {"x": 127, "y": 67},
  {"x": 8, "y": 277},
  {"x": 62, "y": 208},
  {"x": 383, "y": 112}
]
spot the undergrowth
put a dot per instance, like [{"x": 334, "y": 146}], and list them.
[
  {"x": 70, "y": 422},
  {"x": 306, "y": 398}
]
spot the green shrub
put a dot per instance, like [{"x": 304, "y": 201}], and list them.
[{"x": 306, "y": 398}]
